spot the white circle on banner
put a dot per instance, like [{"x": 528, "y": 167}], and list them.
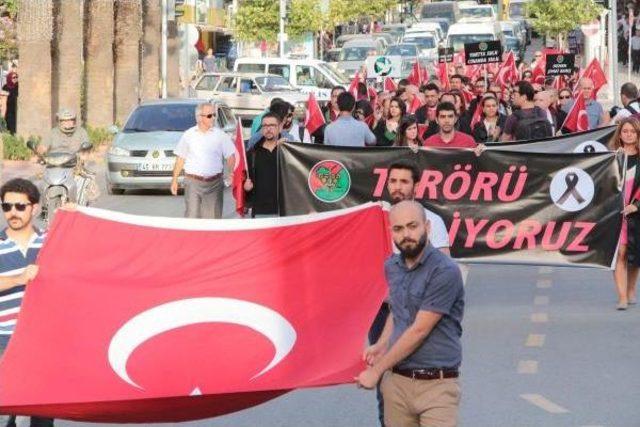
[
  {"x": 591, "y": 147},
  {"x": 572, "y": 189}
]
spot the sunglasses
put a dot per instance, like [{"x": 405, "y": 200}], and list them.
[
  {"x": 20, "y": 207},
  {"x": 208, "y": 116},
  {"x": 565, "y": 97}
]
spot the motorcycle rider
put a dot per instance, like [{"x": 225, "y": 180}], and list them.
[{"x": 67, "y": 136}]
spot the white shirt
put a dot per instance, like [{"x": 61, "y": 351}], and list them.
[
  {"x": 295, "y": 133},
  {"x": 204, "y": 152},
  {"x": 623, "y": 113},
  {"x": 439, "y": 236},
  {"x": 635, "y": 43}
]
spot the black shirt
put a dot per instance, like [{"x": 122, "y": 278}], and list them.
[{"x": 263, "y": 171}]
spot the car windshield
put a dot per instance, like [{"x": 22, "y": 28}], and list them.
[
  {"x": 355, "y": 53},
  {"x": 517, "y": 9},
  {"x": 512, "y": 43},
  {"x": 335, "y": 74},
  {"x": 457, "y": 41},
  {"x": 436, "y": 11},
  {"x": 422, "y": 42},
  {"x": 507, "y": 31},
  {"x": 273, "y": 84},
  {"x": 402, "y": 50},
  {"x": 476, "y": 12},
  {"x": 164, "y": 117}
]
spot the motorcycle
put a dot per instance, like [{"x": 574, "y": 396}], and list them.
[{"x": 65, "y": 180}]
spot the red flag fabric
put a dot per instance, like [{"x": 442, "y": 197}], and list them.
[
  {"x": 577, "y": 120},
  {"x": 314, "y": 118},
  {"x": 390, "y": 85},
  {"x": 240, "y": 172},
  {"x": 538, "y": 73},
  {"x": 353, "y": 87},
  {"x": 372, "y": 94},
  {"x": 559, "y": 83},
  {"x": 507, "y": 73},
  {"x": 443, "y": 76},
  {"x": 468, "y": 95},
  {"x": 477, "y": 115},
  {"x": 416, "y": 103},
  {"x": 594, "y": 72},
  {"x": 418, "y": 74},
  {"x": 164, "y": 319}
]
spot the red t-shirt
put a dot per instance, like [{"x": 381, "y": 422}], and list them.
[{"x": 460, "y": 140}]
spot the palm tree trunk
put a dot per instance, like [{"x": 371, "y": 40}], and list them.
[
  {"x": 128, "y": 29},
  {"x": 151, "y": 49},
  {"x": 174, "y": 88},
  {"x": 99, "y": 63},
  {"x": 67, "y": 60},
  {"x": 35, "y": 27}
]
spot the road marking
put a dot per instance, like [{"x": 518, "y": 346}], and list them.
[
  {"x": 535, "y": 340},
  {"x": 539, "y": 318},
  {"x": 541, "y": 300},
  {"x": 545, "y": 270},
  {"x": 528, "y": 367},
  {"x": 544, "y": 403},
  {"x": 543, "y": 284}
]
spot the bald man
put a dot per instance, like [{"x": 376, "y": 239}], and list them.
[
  {"x": 544, "y": 101},
  {"x": 595, "y": 112},
  {"x": 419, "y": 353}
]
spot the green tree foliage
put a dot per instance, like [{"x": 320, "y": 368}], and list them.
[
  {"x": 8, "y": 40},
  {"x": 305, "y": 16},
  {"x": 257, "y": 20},
  {"x": 556, "y": 17}
]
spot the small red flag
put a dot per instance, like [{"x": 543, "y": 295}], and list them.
[
  {"x": 443, "y": 76},
  {"x": 314, "y": 118},
  {"x": 559, "y": 83},
  {"x": 596, "y": 74},
  {"x": 390, "y": 85},
  {"x": 538, "y": 72},
  {"x": 507, "y": 73},
  {"x": 416, "y": 103},
  {"x": 353, "y": 87},
  {"x": 468, "y": 95},
  {"x": 372, "y": 94},
  {"x": 577, "y": 120},
  {"x": 240, "y": 171},
  {"x": 418, "y": 74},
  {"x": 477, "y": 115}
]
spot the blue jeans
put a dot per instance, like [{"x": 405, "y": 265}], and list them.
[
  {"x": 374, "y": 335},
  {"x": 10, "y": 420}
]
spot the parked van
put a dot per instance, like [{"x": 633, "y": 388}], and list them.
[
  {"x": 309, "y": 75},
  {"x": 462, "y": 33},
  {"x": 442, "y": 9}
]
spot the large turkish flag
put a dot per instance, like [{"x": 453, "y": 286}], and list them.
[{"x": 141, "y": 319}]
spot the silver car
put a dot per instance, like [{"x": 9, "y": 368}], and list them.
[{"x": 141, "y": 156}]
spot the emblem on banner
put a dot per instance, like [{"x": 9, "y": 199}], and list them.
[
  {"x": 382, "y": 66},
  {"x": 590, "y": 147},
  {"x": 483, "y": 46},
  {"x": 560, "y": 59},
  {"x": 572, "y": 189},
  {"x": 329, "y": 181}
]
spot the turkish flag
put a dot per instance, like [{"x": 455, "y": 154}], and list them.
[
  {"x": 149, "y": 319},
  {"x": 416, "y": 103},
  {"x": 559, "y": 83},
  {"x": 418, "y": 74},
  {"x": 353, "y": 86},
  {"x": 443, "y": 76},
  {"x": 594, "y": 72},
  {"x": 372, "y": 94},
  {"x": 314, "y": 118},
  {"x": 390, "y": 85},
  {"x": 538, "y": 73},
  {"x": 577, "y": 120},
  {"x": 507, "y": 73},
  {"x": 239, "y": 171},
  {"x": 477, "y": 115}
]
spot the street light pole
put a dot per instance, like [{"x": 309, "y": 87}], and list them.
[
  {"x": 630, "y": 35},
  {"x": 281, "y": 35},
  {"x": 613, "y": 45},
  {"x": 163, "y": 49}
]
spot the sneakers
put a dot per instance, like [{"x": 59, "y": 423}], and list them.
[{"x": 622, "y": 306}]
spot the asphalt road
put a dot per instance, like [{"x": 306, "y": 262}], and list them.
[{"x": 542, "y": 347}]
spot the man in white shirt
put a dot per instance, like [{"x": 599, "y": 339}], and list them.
[
  {"x": 635, "y": 51},
  {"x": 202, "y": 151},
  {"x": 629, "y": 98},
  {"x": 542, "y": 100}
]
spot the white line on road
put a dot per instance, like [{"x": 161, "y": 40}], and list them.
[
  {"x": 539, "y": 317},
  {"x": 544, "y": 403},
  {"x": 528, "y": 367},
  {"x": 541, "y": 300},
  {"x": 535, "y": 340},
  {"x": 545, "y": 270},
  {"x": 543, "y": 284}
]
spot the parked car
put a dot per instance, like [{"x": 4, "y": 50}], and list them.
[
  {"x": 518, "y": 11},
  {"x": 141, "y": 156},
  {"x": 426, "y": 43},
  {"x": 477, "y": 13},
  {"x": 397, "y": 30},
  {"x": 323, "y": 76},
  {"x": 355, "y": 53},
  {"x": 513, "y": 29},
  {"x": 442, "y": 22},
  {"x": 427, "y": 27},
  {"x": 443, "y": 9},
  {"x": 462, "y": 33},
  {"x": 249, "y": 94}
]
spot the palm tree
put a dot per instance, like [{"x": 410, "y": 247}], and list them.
[
  {"x": 68, "y": 54},
  {"x": 35, "y": 27},
  {"x": 128, "y": 29},
  {"x": 150, "y": 74},
  {"x": 99, "y": 63}
]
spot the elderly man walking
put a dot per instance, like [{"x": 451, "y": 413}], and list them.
[{"x": 202, "y": 151}]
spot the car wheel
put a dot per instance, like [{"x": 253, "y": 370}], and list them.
[{"x": 114, "y": 191}]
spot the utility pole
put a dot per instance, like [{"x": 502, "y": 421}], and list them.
[
  {"x": 613, "y": 53},
  {"x": 163, "y": 48},
  {"x": 282, "y": 37}
]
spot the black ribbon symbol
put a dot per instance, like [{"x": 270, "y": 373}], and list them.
[
  {"x": 589, "y": 149},
  {"x": 572, "y": 182}
]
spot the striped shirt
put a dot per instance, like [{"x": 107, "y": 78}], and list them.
[{"x": 13, "y": 261}]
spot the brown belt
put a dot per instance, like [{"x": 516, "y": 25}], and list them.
[
  {"x": 427, "y": 373},
  {"x": 203, "y": 178}
]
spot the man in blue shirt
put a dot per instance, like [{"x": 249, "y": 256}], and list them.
[
  {"x": 347, "y": 131},
  {"x": 420, "y": 350},
  {"x": 20, "y": 244}
]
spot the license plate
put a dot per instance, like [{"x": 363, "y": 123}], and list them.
[{"x": 155, "y": 167}]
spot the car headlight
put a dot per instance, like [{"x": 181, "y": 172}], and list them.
[{"x": 118, "y": 151}]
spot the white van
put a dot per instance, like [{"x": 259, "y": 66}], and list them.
[
  {"x": 309, "y": 75},
  {"x": 462, "y": 33}
]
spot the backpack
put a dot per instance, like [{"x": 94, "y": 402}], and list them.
[{"x": 528, "y": 128}]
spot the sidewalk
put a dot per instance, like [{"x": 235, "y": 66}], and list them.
[{"x": 19, "y": 169}]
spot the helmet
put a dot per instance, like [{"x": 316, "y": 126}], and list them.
[{"x": 65, "y": 115}]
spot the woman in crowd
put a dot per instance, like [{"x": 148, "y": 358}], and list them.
[
  {"x": 363, "y": 111},
  {"x": 11, "y": 110},
  {"x": 489, "y": 129},
  {"x": 464, "y": 116},
  {"x": 407, "y": 135},
  {"x": 564, "y": 97},
  {"x": 386, "y": 130},
  {"x": 625, "y": 275}
]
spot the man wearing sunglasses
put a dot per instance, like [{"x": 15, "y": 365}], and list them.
[
  {"x": 201, "y": 152},
  {"x": 20, "y": 243}
]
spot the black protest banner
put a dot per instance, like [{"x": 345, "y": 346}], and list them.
[
  {"x": 445, "y": 54},
  {"x": 560, "y": 64},
  {"x": 591, "y": 141},
  {"x": 500, "y": 207},
  {"x": 483, "y": 53}
]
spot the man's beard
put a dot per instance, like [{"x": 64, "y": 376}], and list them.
[
  {"x": 397, "y": 197},
  {"x": 412, "y": 252},
  {"x": 17, "y": 226}
]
